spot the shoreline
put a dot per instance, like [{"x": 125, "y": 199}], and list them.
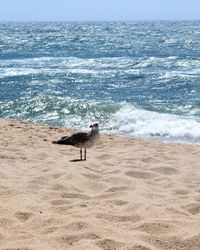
[
  {"x": 104, "y": 133},
  {"x": 129, "y": 194}
]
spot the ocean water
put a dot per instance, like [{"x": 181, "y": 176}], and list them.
[{"x": 140, "y": 79}]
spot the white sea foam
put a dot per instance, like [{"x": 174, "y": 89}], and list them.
[
  {"x": 147, "y": 124},
  {"x": 17, "y": 72}
]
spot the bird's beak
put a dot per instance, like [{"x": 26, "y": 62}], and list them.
[{"x": 91, "y": 126}]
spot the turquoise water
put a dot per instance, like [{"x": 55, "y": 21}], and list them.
[{"x": 140, "y": 79}]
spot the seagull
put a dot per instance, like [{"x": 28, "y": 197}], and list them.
[{"x": 81, "y": 140}]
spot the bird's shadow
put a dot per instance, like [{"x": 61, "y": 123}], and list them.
[{"x": 76, "y": 160}]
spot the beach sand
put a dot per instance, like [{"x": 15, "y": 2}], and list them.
[{"x": 129, "y": 194}]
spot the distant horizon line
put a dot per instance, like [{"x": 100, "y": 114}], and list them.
[{"x": 96, "y": 21}]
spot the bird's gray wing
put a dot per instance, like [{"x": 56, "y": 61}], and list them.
[
  {"x": 78, "y": 138},
  {"x": 75, "y": 139}
]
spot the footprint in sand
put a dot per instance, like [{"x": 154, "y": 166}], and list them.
[
  {"x": 180, "y": 192},
  {"x": 17, "y": 248},
  {"x": 104, "y": 157},
  {"x": 174, "y": 242},
  {"x": 150, "y": 160},
  {"x": 155, "y": 228},
  {"x": 193, "y": 208},
  {"x": 165, "y": 170},
  {"x": 118, "y": 202},
  {"x": 106, "y": 196},
  {"x": 119, "y": 218},
  {"x": 39, "y": 181},
  {"x": 79, "y": 225},
  {"x": 57, "y": 175},
  {"x": 197, "y": 190},
  {"x": 140, "y": 174},
  {"x": 5, "y": 223},
  {"x": 57, "y": 187},
  {"x": 106, "y": 244},
  {"x": 69, "y": 240},
  {"x": 140, "y": 247},
  {"x": 198, "y": 199},
  {"x": 93, "y": 176},
  {"x": 50, "y": 230},
  {"x": 59, "y": 202},
  {"x": 75, "y": 196},
  {"x": 118, "y": 189},
  {"x": 23, "y": 216}
]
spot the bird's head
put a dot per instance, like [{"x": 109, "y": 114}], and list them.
[
  {"x": 94, "y": 125},
  {"x": 94, "y": 130}
]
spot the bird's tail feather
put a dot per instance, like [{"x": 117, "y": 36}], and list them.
[{"x": 55, "y": 142}]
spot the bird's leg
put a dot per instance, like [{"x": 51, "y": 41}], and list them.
[
  {"x": 81, "y": 154},
  {"x": 85, "y": 154}
]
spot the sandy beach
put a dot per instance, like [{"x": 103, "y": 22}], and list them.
[{"x": 129, "y": 194}]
